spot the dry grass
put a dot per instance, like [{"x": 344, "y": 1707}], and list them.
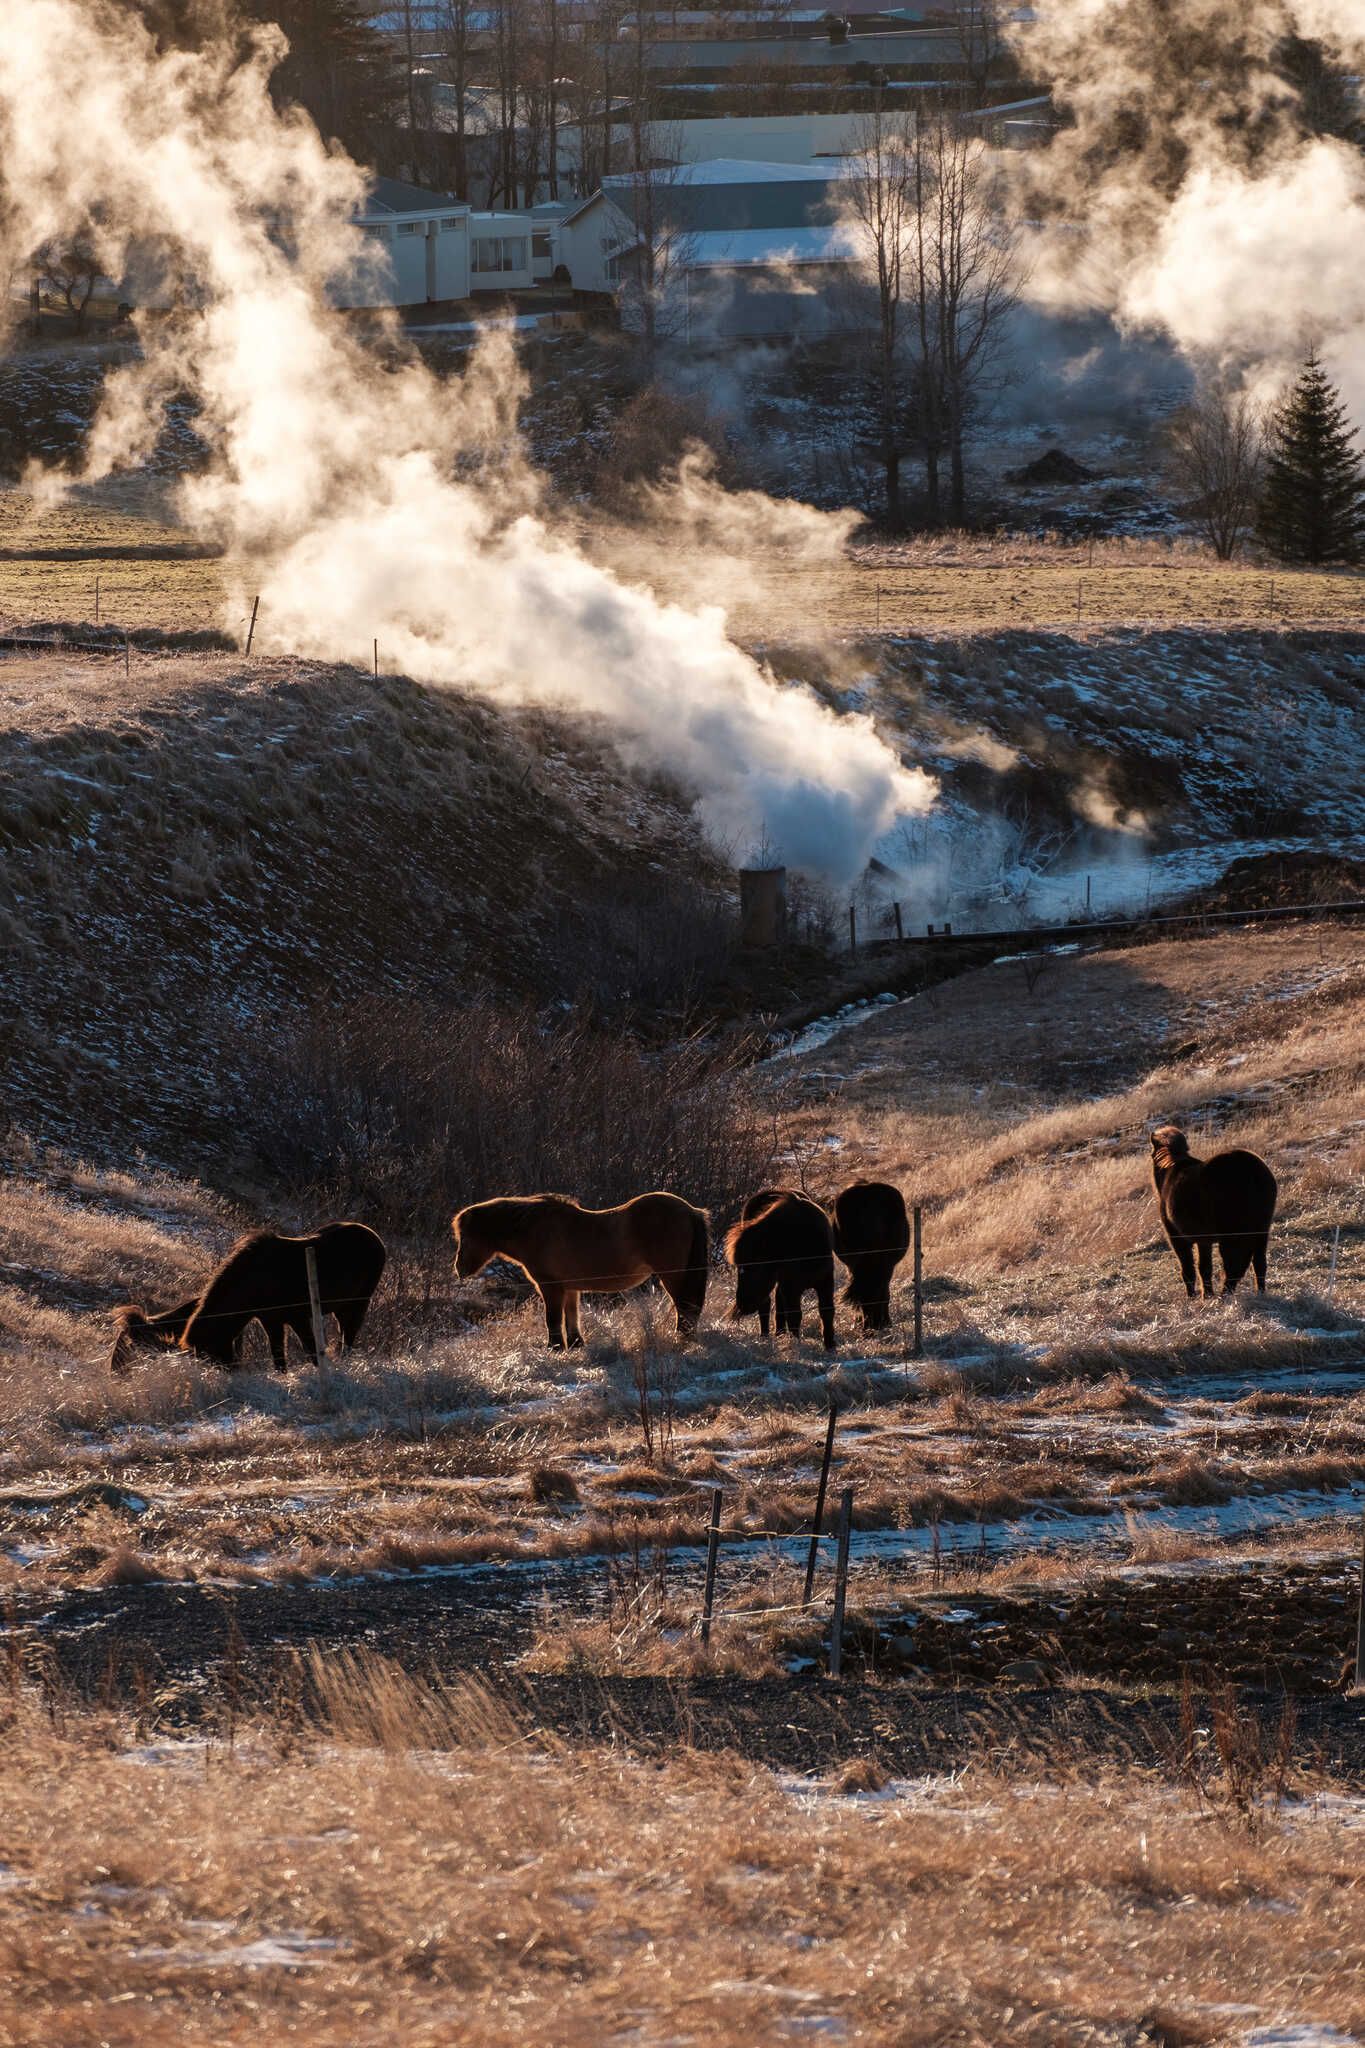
[
  {"x": 1064, "y": 1371},
  {"x": 387, "y": 1862}
]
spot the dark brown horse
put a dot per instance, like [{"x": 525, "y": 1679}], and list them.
[
  {"x": 566, "y": 1250},
  {"x": 1228, "y": 1200},
  {"x": 264, "y": 1278},
  {"x": 782, "y": 1243},
  {"x": 871, "y": 1236}
]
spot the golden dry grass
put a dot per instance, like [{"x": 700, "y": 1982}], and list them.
[
  {"x": 949, "y": 583},
  {"x": 1064, "y": 1367},
  {"x": 402, "y": 1864}
]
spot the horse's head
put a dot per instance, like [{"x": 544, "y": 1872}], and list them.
[
  {"x": 1169, "y": 1146},
  {"x": 135, "y": 1331},
  {"x": 472, "y": 1249}
]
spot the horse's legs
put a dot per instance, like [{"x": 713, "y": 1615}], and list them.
[
  {"x": 824, "y": 1294},
  {"x": 1258, "y": 1252},
  {"x": 1184, "y": 1251},
  {"x": 788, "y": 1308},
  {"x": 571, "y": 1330},
  {"x": 350, "y": 1315},
  {"x": 1235, "y": 1253},
  {"x": 274, "y": 1327},
  {"x": 765, "y": 1316},
  {"x": 553, "y": 1297},
  {"x": 1206, "y": 1266}
]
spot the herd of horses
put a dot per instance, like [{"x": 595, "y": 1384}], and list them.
[{"x": 783, "y": 1246}]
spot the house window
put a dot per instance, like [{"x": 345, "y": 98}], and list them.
[
  {"x": 377, "y": 234},
  {"x": 498, "y": 252},
  {"x": 540, "y": 245},
  {"x": 412, "y": 227},
  {"x": 452, "y": 226}
]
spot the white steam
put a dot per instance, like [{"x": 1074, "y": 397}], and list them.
[
  {"x": 1191, "y": 196},
  {"x": 362, "y": 496}
]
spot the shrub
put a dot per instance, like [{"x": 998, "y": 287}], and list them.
[{"x": 402, "y": 1112}]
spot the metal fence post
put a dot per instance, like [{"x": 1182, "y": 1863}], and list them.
[
  {"x": 310, "y": 1261},
  {"x": 712, "y": 1546},
  {"x": 819, "y": 1506},
  {"x": 918, "y": 1347},
  {"x": 836, "y": 1633}
]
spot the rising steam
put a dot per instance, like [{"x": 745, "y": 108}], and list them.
[
  {"x": 361, "y": 495},
  {"x": 1193, "y": 195}
]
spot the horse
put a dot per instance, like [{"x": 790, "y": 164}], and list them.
[
  {"x": 159, "y": 1332},
  {"x": 1228, "y": 1200},
  {"x": 782, "y": 1242},
  {"x": 264, "y": 1278},
  {"x": 566, "y": 1250},
  {"x": 871, "y": 1236}
]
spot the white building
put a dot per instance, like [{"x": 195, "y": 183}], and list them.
[
  {"x": 430, "y": 248},
  {"x": 742, "y": 249}
]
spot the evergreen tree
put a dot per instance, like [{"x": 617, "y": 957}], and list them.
[{"x": 1313, "y": 503}]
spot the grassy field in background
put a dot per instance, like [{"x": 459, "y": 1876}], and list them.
[{"x": 951, "y": 584}]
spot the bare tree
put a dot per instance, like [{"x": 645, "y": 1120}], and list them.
[
  {"x": 1215, "y": 447},
  {"x": 881, "y": 196},
  {"x": 72, "y": 269},
  {"x": 941, "y": 261},
  {"x": 969, "y": 270},
  {"x": 978, "y": 28}
]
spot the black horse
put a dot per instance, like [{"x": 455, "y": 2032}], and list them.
[
  {"x": 782, "y": 1243},
  {"x": 871, "y": 1236},
  {"x": 264, "y": 1278},
  {"x": 1228, "y": 1200}
]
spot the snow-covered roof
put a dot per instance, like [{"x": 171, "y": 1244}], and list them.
[
  {"x": 757, "y": 247},
  {"x": 392, "y": 195}
]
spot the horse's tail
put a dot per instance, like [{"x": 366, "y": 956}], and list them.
[{"x": 692, "y": 1291}]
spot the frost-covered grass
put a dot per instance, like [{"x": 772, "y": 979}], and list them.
[
  {"x": 1068, "y": 1394},
  {"x": 384, "y": 1861}
]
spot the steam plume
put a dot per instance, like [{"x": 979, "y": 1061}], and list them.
[
  {"x": 1194, "y": 194},
  {"x": 341, "y": 481}
]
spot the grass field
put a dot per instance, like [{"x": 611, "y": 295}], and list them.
[
  {"x": 955, "y": 586},
  {"x": 400, "y": 1863},
  {"x": 1066, "y": 1377}
]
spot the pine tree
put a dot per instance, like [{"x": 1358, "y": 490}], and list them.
[{"x": 1313, "y": 504}]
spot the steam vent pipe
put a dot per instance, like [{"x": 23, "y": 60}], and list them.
[{"x": 762, "y": 906}]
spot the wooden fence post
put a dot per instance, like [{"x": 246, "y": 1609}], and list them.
[
  {"x": 1332, "y": 1269},
  {"x": 712, "y": 1546},
  {"x": 251, "y": 629},
  {"x": 310, "y": 1260},
  {"x": 852, "y": 929},
  {"x": 918, "y": 1347},
  {"x": 816, "y": 1525},
  {"x": 376, "y": 661},
  {"x": 1360, "y": 1613},
  {"x": 836, "y": 1632},
  {"x": 896, "y": 913}
]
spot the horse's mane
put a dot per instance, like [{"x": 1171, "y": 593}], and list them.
[
  {"x": 1170, "y": 1146},
  {"x": 746, "y": 1223}
]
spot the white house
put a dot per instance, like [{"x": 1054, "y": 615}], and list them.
[
  {"x": 744, "y": 249},
  {"x": 434, "y": 248},
  {"x": 421, "y": 240}
]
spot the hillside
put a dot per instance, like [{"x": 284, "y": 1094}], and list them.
[{"x": 192, "y": 852}]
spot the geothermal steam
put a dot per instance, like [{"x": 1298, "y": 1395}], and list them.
[
  {"x": 362, "y": 496},
  {"x": 1192, "y": 194}
]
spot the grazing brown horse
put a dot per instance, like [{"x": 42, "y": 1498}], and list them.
[
  {"x": 871, "y": 1236},
  {"x": 782, "y": 1243},
  {"x": 265, "y": 1278},
  {"x": 566, "y": 1250},
  {"x": 1228, "y": 1200}
]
